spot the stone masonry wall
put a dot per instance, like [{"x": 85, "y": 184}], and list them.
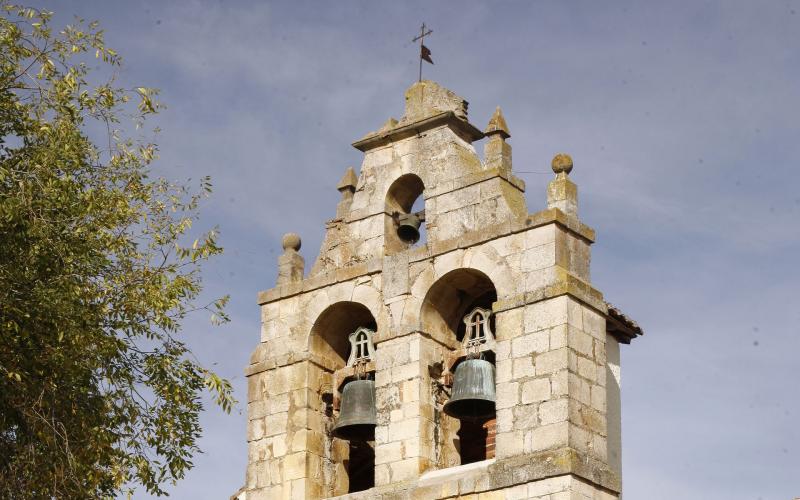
[{"x": 551, "y": 436}]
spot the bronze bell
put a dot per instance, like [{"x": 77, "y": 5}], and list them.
[
  {"x": 357, "y": 416},
  {"x": 473, "y": 393},
  {"x": 408, "y": 227}
]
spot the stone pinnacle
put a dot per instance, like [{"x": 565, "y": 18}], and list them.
[
  {"x": 497, "y": 125},
  {"x": 348, "y": 181},
  {"x": 562, "y": 162},
  {"x": 291, "y": 241}
]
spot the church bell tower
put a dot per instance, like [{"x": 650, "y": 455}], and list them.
[{"x": 446, "y": 343}]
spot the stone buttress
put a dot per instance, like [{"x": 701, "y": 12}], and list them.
[{"x": 555, "y": 347}]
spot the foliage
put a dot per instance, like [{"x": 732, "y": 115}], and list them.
[{"x": 97, "y": 393}]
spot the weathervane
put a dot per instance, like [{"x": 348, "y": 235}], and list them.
[{"x": 424, "y": 52}]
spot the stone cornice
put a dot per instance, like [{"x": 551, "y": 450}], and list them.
[
  {"x": 449, "y": 118},
  {"x": 499, "y": 474},
  {"x": 565, "y": 284},
  {"x": 431, "y": 250}
]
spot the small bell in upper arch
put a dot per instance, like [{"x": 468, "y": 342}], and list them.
[{"x": 408, "y": 226}]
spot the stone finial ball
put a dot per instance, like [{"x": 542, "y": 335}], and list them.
[
  {"x": 562, "y": 162},
  {"x": 291, "y": 240}
]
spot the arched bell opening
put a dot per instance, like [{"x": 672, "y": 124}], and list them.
[
  {"x": 451, "y": 297},
  {"x": 329, "y": 335},
  {"x": 349, "y": 464},
  {"x": 404, "y": 225},
  {"x": 457, "y": 310}
]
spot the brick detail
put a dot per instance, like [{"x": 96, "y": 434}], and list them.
[{"x": 491, "y": 431}]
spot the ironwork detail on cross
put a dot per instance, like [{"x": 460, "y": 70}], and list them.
[{"x": 424, "y": 52}]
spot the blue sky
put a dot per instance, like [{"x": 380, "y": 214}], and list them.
[{"x": 682, "y": 119}]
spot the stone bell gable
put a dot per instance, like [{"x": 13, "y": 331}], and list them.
[
  {"x": 432, "y": 260},
  {"x": 429, "y": 151}
]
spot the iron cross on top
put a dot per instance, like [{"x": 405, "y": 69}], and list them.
[{"x": 424, "y": 52}]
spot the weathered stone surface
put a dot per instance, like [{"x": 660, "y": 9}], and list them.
[
  {"x": 556, "y": 433},
  {"x": 535, "y": 391}
]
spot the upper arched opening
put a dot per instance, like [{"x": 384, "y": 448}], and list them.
[
  {"x": 403, "y": 192},
  {"x": 404, "y": 213}
]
